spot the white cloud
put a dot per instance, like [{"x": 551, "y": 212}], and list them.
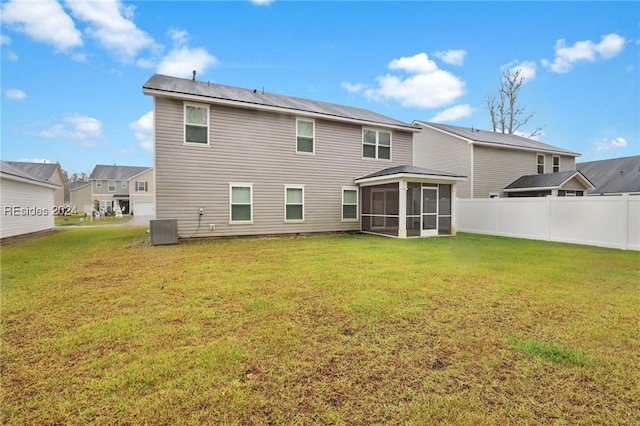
[
  {"x": 182, "y": 59},
  {"x": 527, "y": 69},
  {"x": 44, "y": 21},
  {"x": 5, "y": 40},
  {"x": 425, "y": 87},
  {"x": 262, "y": 2},
  {"x": 143, "y": 128},
  {"x": 76, "y": 127},
  {"x": 36, "y": 160},
  {"x": 110, "y": 23},
  {"x": 608, "y": 144},
  {"x": 453, "y": 57},
  {"x": 452, "y": 114},
  {"x": 583, "y": 51},
  {"x": 15, "y": 94}
]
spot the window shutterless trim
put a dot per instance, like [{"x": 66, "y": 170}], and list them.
[
  {"x": 343, "y": 204},
  {"x": 313, "y": 136},
  {"x": 109, "y": 186},
  {"x": 555, "y": 167},
  {"x": 286, "y": 203},
  {"x": 231, "y": 203},
  {"x": 185, "y": 124},
  {"x": 377, "y": 145},
  {"x": 539, "y": 164}
]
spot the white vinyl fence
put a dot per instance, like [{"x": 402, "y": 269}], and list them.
[{"x": 603, "y": 221}]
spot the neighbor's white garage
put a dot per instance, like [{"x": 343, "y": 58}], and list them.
[{"x": 143, "y": 208}]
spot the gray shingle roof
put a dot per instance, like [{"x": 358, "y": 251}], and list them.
[
  {"x": 42, "y": 170},
  {"x": 259, "y": 99},
  {"x": 102, "y": 172},
  {"x": 548, "y": 180},
  {"x": 12, "y": 170},
  {"x": 72, "y": 186},
  {"x": 412, "y": 170},
  {"x": 497, "y": 138},
  {"x": 616, "y": 175}
]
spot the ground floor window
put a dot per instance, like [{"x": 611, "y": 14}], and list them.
[
  {"x": 241, "y": 200},
  {"x": 570, "y": 193},
  {"x": 293, "y": 203},
  {"x": 349, "y": 203},
  {"x": 106, "y": 206}
]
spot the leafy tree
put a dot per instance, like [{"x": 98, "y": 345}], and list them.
[{"x": 506, "y": 115}]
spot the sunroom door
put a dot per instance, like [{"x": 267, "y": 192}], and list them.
[{"x": 429, "y": 211}]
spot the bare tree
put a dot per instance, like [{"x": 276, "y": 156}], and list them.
[{"x": 506, "y": 115}]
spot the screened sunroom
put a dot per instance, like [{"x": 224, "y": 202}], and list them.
[{"x": 408, "y": 201}]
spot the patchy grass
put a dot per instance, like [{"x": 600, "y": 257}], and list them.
[
  {"x": 79, "y": 220},
  {"x": 550, "y": 351},
  {"x": 100, "y": 328}
]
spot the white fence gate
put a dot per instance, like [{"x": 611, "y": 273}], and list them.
[{"x": 603, "y": 221}]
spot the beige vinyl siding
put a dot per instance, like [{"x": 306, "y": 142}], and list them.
[
  {"x": 437, "y": 151},
  {"x": 25, "y": 196},
  {"x": 142, "y": 196},
  {"x": 81, "y": 199},
  {"x": 258, "y": 148},
  {"x": 574, "y": 184}
]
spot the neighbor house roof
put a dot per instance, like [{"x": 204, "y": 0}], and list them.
[
  {"x": 547, "y": 181},
  {"x": 42, "y": 170},
  {"x": 103, "y": 172},
  {"x": 259, "y": 99},
  {"x": 13, "y": 172},
  {"x": 613, "y": 176},
  {"x": 408, "y": 172},
  {"x": 497, "y": 139},
  {"x": 72, "y": 186}
]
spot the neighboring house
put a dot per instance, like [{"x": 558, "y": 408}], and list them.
[
  {"x": 614, "y": 176},
  {"x": 80, "y": 197},
  {"x": 50, "y": 172},
  {"x": 490, "y": 160},
  {"x": 560, "y": 184},
  {"x": 231, "y": 161},
  {"x": 28, "y": 202},
  {"x": 129, "y": 187}
]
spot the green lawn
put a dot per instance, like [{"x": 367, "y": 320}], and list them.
[{"x": 100, "y": 328}]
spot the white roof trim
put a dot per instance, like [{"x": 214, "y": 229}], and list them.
[{"x": 408, "y": 176}]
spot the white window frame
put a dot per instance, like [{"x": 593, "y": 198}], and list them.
[
  {"x": 313, "y": 136},
  {"x": 142, "y": 188},
  {"x": 350, "y": 188},
  {"x": 124, "y": 184},
  {"x": 377, "y": 144},
  {"x": 287, "y": 204},
  {"x": 109, "y": 186},
  {"x": 184, "y": 123},
  {"x": 553, "y": 164},
  {"x": 538, "y": 163},
  {"x": 231, "y": 203},
  {"x": 98, "y": 184}
]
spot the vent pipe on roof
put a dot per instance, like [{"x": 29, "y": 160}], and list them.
[{"x": 194, "y": 75}]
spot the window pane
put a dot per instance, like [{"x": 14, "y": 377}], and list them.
[
  {"x": 294, "y": 213},
  {"x": 294, "y": 196},
  {"x": 305, "y": 128},
  {"x": 196, "y": 115},
  {"x": 241, "y": 212},
  {"x": 350, "y": 212},
  {"x": 350, "y": 196},
  {"x": 305, "y": 144},
  {"x": 196, "y": 134},
  {"x": 240, "y": 195},
  {"x": 384, "y": 138},
  {"x": 369, "y": 136},
  {"x": 384, "y": 152},
  {"x": 369, "y": 151}
]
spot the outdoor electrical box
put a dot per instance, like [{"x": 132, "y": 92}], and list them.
[{"x": 164, "y": 231}]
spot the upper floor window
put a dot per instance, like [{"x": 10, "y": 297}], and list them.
[
  {"x": 376, "y": 144},
  {"x": 305, "y": 135},
  {"x": 540, "y": 164},
  {"x": 241, "y": 198},
  {"x": 124, "y": 184},
  {"x": 112, "y": 186},
  {"x": 196, "y": 123},
  {"x": 556, "y": 163},
  {"x": 98, "y": 184},
  {"x": 141, "y": 186}
]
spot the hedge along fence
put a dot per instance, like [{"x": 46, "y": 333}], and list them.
[{"x": 603, "y": 221}]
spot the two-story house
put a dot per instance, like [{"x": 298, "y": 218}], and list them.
[
  {"x": 130, "y": 188},
  {"x": 497, "y": 164},
  {"x": 232, "y": 161},
  {"x": 50, "y": 172}
]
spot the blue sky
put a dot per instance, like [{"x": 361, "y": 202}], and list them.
[{"x": 72, "y": 71}]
